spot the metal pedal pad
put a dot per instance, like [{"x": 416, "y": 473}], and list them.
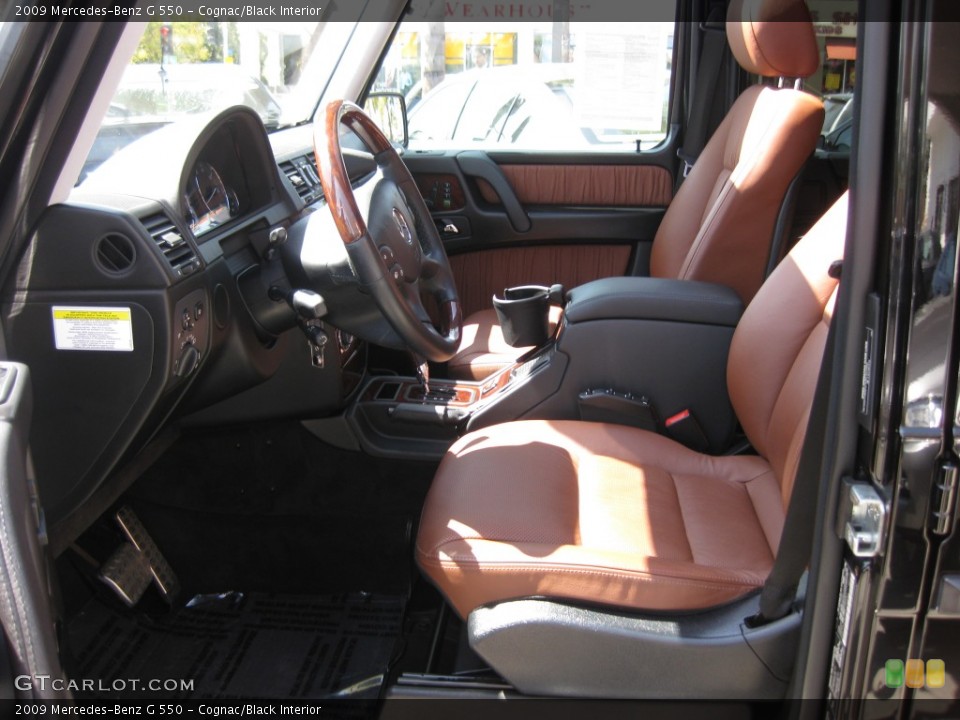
[
  {"x": 160, "y": 570},
  {"x": 128, "y": 574}
]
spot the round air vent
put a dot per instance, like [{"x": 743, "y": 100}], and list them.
[{"x": 115, "y": 253}]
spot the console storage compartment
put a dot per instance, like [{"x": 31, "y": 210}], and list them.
[{"x": 653, "y": 343}]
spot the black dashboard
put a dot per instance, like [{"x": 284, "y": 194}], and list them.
[{"x": 156, "y": 293}]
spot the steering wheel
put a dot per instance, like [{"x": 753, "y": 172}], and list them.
[{"x": 392, "y": 241}]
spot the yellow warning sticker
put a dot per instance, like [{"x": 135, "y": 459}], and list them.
[{"x": 108, "y": 329}]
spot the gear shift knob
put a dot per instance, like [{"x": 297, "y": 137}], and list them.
[{"x": 423, "y": 374}]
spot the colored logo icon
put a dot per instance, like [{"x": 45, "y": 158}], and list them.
[
  {"x": 893, "y": 673},
  {"x": 914, "y": 673},
  {"x": 936, "y": 674}
]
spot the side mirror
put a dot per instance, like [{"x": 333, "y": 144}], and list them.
[{"x": 389, "y": 111}]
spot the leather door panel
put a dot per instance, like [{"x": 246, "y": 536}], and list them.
[
  {"x": 481, "y": 274},
  {"x": 506, "y": 221},
  {"x": 601, "y": 185}
]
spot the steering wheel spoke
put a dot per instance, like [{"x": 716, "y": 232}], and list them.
[{"x": 417, "y": 306}]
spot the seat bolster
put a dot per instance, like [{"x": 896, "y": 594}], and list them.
[{"x": 787, "y": 326}]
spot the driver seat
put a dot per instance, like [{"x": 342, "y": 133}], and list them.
[
  {"x": 605, "y": 514},
  {"x": 719, "y": 227}
]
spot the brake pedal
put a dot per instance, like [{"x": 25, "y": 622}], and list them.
[{"x": 136, "y": 563}]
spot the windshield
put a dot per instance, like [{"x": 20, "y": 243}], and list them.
[{"x": 184, "y": 68}]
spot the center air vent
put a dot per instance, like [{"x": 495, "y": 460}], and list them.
[
  {"x": 176, "y": 250},
  {"x": 115, "y": 253},
  {"x": 302, "y": 173}
]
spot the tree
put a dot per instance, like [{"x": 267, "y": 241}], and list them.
[
  {"x": 433, "y": 47},
  {"x": 190, "y": 41}
]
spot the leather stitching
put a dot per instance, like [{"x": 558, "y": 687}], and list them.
[
  {"x": 683, "y": 520},
  {"x": 705, "y": 583}
]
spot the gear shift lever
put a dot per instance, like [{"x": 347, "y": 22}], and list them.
[
  {"x": 423, "y": 374},
  {"x": 440, "y": 394}
]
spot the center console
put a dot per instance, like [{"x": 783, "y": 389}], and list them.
[
  {"x": 646, "y": 352},
  {"x": 395, "y": 417}
]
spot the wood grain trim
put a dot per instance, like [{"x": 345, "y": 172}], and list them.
[
  {"x": 333, "y": 173},
  {"x": 611, "y": 185},
  {"x": 466, "y": 393},
  {"x": 479, "y": 275}
]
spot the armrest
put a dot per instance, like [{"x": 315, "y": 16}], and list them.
[{"x": 654, "y": 299}]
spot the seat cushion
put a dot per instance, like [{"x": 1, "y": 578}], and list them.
[
  {"x": 483, "y": 350},
  {"x": 596, "y": 513}
]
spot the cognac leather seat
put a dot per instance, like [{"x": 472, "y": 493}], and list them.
[
  {"x": 720, "y": 225},
  {"x": 608, "y": 514}
]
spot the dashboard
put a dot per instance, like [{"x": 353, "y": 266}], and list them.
[{"x": 172, "y": 246}]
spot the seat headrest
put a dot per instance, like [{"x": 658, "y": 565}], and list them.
[{"x": 773, "y": 38}]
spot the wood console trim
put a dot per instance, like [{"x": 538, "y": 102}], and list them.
[{"x": 467, "y": 394}]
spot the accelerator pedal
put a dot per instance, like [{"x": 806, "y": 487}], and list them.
[{"x": 137, "y": 563}]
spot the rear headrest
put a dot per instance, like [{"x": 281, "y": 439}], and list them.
[{"x": 773, "y": 38}]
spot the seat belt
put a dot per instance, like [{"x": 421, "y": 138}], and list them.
[
  {"x": 796, "y": 541},
  {"x": 705, "y": 89}
]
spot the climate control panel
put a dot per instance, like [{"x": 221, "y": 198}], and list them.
[{"x": 190, "y": 333}]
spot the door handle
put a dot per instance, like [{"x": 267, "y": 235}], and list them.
[{"x": 477, "y": 164}]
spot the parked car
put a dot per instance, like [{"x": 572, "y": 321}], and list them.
[
  {"x": 838, "y": 108},
  {"x": 837, "y": 134},
  {"x": 532, "y": 106},
  {"x": 243, "y": 471}
]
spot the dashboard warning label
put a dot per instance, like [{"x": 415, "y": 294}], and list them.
[{"x": 93, "y": 328}]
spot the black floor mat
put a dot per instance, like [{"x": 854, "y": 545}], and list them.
[
  {"x": 248, "y": 646},
  {"x": 263, "y": 502}
]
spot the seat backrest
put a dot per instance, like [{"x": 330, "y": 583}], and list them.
[
  {"x": 720, "y": 225},
  {"x": 777, "y": 349}
]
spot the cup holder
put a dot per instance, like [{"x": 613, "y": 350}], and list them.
[{"x": 524, "y": 313}]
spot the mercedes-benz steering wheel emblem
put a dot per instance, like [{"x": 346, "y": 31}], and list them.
[{"x": 401, "y": 222}]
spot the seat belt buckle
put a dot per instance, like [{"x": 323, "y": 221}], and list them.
[
  {"x": 684, "y": 428},
  {"x": 688, "y": 161}
]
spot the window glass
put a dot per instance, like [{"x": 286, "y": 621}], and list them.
[
  {"x": 485, "y": 112},
  {"x": 585, "y": 86},
  {"x": 183, "y": 68},
  {"x": 835, "y": 27},
  {"x": 438, "y": 115}
]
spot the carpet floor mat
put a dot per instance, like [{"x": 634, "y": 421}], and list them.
[{"x": 241, "y": 646}]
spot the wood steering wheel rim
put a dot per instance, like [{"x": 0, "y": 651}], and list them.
[{"x": 398, "y": 299}]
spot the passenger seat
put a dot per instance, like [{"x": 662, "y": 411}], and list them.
[{"x": 720, "y": 225}]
